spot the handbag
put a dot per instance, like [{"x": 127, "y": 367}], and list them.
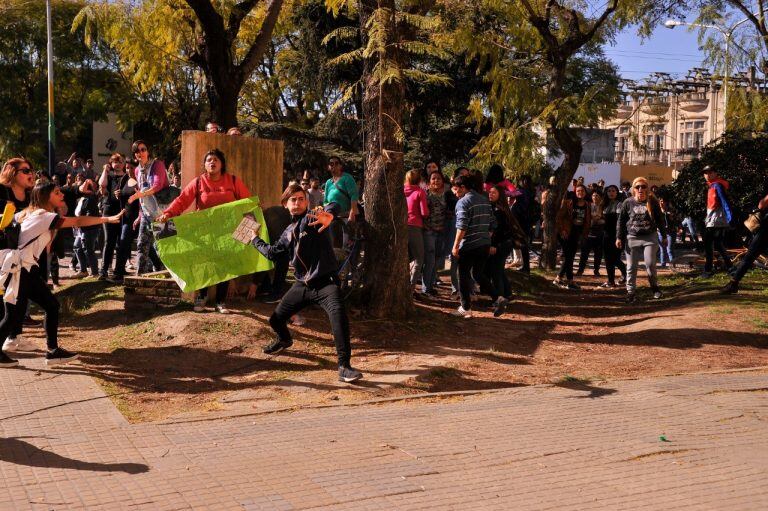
[{"x": 752, "y": 223}]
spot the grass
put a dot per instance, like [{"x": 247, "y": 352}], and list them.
[
  {"x": 116, "y": 394},
  {"x": 126, "y": 335},
  {"x": 760, "y": 324},
  {"x": 574, "y": 379}
]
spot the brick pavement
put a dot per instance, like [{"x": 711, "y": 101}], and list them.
[{"x": 64, "y": 446}]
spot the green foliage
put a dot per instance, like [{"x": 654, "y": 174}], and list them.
[{"x": 739, "y": 158}]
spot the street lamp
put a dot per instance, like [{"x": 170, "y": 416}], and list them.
[{"x": 727, "y": 33}]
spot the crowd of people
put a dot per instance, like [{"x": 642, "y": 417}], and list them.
[{"x": 476, "y": 223}]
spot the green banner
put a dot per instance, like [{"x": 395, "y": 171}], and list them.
[{"x": 203, "y": 252}]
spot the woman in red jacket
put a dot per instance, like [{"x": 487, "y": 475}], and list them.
[
  {"x": 211, "y": 188},
  {"x": 418, "y": 210}
]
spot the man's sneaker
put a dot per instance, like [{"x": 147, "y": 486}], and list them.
[
  {"x": 631, "y": 298},
  {"x": 298, "y": 320},
  {"x": 276, "y": 346},
  {"x": 573, "y": 286},
  {"x": 80, "y": 275},
  {"x": 657, "y": 294},
  {"x": 6, "y": 361},
  {"x": 221, "y": 308},
  {"x": 348, "y": 374},
  {"x": 60, "y": 356},
  {"x": 596, "y": 273},
  {"x": 199, "y": 305},
  {"x": 462, "y": 312},
  {"x": 500, "y": 306},
  {"x": 622, "y": 280},
  {"x": 731, "y": 288},
  {"x": 18, "y": 343}
]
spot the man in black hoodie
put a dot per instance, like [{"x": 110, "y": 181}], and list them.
[{"x": 308, "y": 245}]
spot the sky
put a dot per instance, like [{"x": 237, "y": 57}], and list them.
[{"x": 672, "y": 51}]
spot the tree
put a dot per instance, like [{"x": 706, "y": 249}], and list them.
[
  {"x": 548, "y": 77},
  {"x": 222, "y": 42}
]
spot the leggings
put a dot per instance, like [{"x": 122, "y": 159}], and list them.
[
  {"x": 644, "y": 248},
  {"x": 326, "y": 295},
  {"x": 714, "y": 238},
  {"x": 570, "y": 245},
  {"x": 593, "y": 243},
  {"x": 32, "y": 287}
]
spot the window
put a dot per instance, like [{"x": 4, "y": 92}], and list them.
[{"x": 692, "y": 134}]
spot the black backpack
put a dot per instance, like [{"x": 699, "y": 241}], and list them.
[{"x": 9, "y": 237}]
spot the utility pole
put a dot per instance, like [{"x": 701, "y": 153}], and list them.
[{"x": 51, "y": 121}]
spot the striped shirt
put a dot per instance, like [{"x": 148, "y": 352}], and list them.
[{"x": 475, "y": 217}]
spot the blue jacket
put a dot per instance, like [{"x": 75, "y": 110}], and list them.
[{"x": 310, "y": 252}]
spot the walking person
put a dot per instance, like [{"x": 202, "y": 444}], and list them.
[
  {"x": 416, "y": 200},
  {"x": 211, "y": 188},
  {"x": 526, "y": 211},
  {"x": 109, "y": 186},
  {"x": 451, "y": 233},
  {"x": 717, "y": 221},
  {"x": 151, "y": 178},
  {"x": 594, "y": 240},
  {"x": 574, "y": 219},
  {"x": 611, "y": 252},
  {"x": 24, "y": 279},
  {"x": 86, "y": 237},
  {"x": 668, "y": 219},
  {"x": 435, "y": 226},
  {"x": 757, "y": 246},
  {"x": 126, "y": 188},
  {"x": 309, "y": 245},
  {"x": 471, "y": 247},
  {"x": 639, "y": 219}
]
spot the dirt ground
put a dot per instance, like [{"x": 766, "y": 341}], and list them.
[{"x": 175, "y": 362}]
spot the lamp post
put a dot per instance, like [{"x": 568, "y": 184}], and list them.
[
  {"x": 727, "y": 33},
  {"x": 51, "y": 121}
]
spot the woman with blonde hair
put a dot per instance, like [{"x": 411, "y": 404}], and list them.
[
  {"x": 639, "y": 218},
  {"x": 418, "y": 210}
]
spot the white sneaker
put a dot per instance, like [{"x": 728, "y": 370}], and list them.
[
  {"x": 462, "y": 313},
  {"x": 199, "y": 305},
  {"x": 18, "y": 343},
  {"x": 221, "y": 308},
  {"x": 298, "y": 320}
]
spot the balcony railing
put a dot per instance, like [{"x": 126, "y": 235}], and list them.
[{"x": 664, "y": 156}]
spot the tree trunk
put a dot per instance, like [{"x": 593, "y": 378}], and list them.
[
  {"x": 387, "y": 289},
  {"x": 570, "y": 143}
]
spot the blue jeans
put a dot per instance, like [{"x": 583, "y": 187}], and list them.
[
  {"x": 689, "y": 226},
  {"x": 85, "y": 249},
  {"x": 433, "y": 249},
  {"x": 665, "y": 254},
  {"x": 127, "y": 235}
]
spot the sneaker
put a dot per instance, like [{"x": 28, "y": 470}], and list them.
[
  {"x": 500, "y": 307},
  {"x": 631, "y": 298},
  {"x": 298, "y": 320},
  {"x": 608, "y": 285},
  {"x": 573, "y": 286},
  {"x": 596, "y": 273},
  {"x": 18, "y": 343},
  {"x": 80, "y": 275},
  {"x": 60, "y": 356},
  {"x": 462, "y": 312},
  {"x": 221, "y": 308},
  {"x": 116, "y": 279},
  {"x": 349, "y": 374},
  {"x": 657, "y": 294},
  {"x": 731, "y": 288},
  {"x": 580, "y": 273},
  {"x": 103, "y": 276},
  {"x": 559, "y": 283},
  {"x": 622, "y": 280},
  {"x": 199, "y": 305},
  {"x": 276, "y": 346},
  {"x": 6, "y": 361}
]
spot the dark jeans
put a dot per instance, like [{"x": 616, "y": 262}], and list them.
[
  {"x": 714, "y": 238},
  {"x": 221, "y": 292},
  {"x": 471, "y": 266},
  {"x": 328, "y": 297},
  {"x": 494, "y": 270},
  {"x": 111, "y": 237},
  {"x": 127, "y": 235},
  {"x": 593, "y": 243},
  {"x": 757, "y": 246},
  {"x": 32, "y": 287},
  {"x": 570, "y": 245},
  {"x": 85, "y": 249},
  {"x": 613, "y": 259},
  {"x": 274, "y": 284}
]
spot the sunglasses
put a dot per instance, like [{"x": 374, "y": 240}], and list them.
[
  {"x": 26, "y": 170},
  {"x": 641, "y": 187},
  {"x": 141, "y": 150}
]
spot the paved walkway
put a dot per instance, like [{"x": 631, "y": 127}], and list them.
[{"x": 64, "y": 446}]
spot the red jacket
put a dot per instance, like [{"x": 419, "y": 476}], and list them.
[
  {"x": 208, "y": 193},
  {"x": 713, "y": 201}
]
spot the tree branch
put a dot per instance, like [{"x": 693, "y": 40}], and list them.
[
  {"x": 256, "y": 51},
  {"x": 238, "y": 14},
  {"x": 209, "y": 18}
]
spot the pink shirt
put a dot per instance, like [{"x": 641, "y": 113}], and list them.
[
  {"x": 418, "y": 209},
  {"x": 506, "y": 184}
]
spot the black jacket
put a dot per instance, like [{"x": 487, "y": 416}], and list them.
[{"x": 311, "y": 252}]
